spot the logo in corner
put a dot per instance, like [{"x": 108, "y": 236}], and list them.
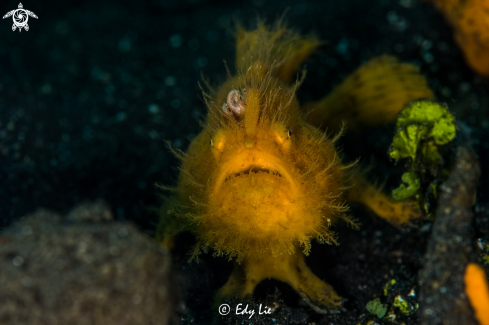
[{"x": 20, "y": 17}]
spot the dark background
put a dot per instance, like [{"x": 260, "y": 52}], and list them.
[{"x": 91, "y": 92}]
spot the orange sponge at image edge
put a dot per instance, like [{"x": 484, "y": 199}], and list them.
[
  {"x": 477, "y": 290},
  {"x": 470, "y": 20}
]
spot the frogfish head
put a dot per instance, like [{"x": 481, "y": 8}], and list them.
[{"x": 258, "y": 178}]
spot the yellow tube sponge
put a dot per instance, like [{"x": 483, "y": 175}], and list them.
[{"x": 470, "y": 20}]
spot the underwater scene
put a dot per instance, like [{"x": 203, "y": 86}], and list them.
[{"x": 244, "y": 162}]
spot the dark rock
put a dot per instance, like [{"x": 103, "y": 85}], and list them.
[
  {"x": 80, "y": 270},
  {"x": 450, "y": 248}
]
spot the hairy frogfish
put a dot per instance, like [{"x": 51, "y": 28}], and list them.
[{"x": 262, "y": 180}]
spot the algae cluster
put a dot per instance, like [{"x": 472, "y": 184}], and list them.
[{"x": 423, "y": 128}]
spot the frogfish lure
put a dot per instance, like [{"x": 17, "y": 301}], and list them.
[{"x": 262, "y": 180}]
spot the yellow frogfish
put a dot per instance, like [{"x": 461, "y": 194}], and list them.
[{"x": 262, "y": 180}]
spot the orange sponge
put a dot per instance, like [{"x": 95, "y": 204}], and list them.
[
  {"x": 477, "y": 291},
  {"x": 470, "y": 20}
]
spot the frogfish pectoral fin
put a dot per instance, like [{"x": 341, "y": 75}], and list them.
[
  {"x": 289, "y": 268},
  {"x": 372, "y": 95},
  {"x": 368, "y": 195}
]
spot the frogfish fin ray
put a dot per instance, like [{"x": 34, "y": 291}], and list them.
[{"x": 276, "y": 48}]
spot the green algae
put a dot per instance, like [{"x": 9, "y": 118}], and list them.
[
  {"x": 377, "y": 308},
  {"x": 388, "y": 285},
  {"x": 404, "y": 305},
  {"x": 404, "y": 192},
  {"x": 423, "y": 127}
]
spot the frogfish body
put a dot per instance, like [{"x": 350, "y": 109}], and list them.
[{"x": 260, "y": 182}]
